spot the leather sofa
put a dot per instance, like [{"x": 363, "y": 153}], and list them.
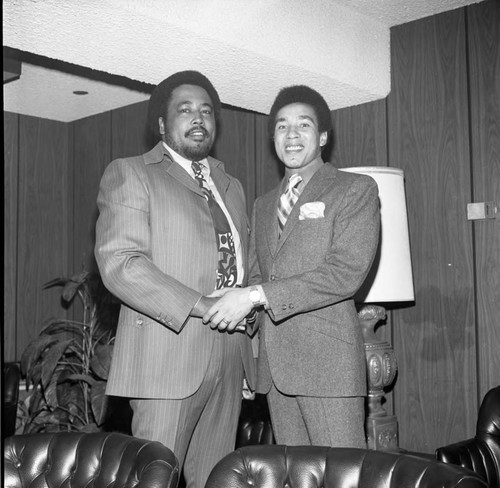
[
  {"x": 11, "y": 379},
  {"x": 278, "y": 466},
  {"x": 97, "y": 459},
  {"x": 480, "y": 454}
]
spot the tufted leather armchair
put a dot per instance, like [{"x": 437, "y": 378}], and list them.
[
  {"x": 480, "y": 454},
  {"x": 77, "y": 460},
  {"x": 278, "y": 466},
  {"x": 11, "y": 379}
]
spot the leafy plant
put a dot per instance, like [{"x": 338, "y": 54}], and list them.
[{"x": 67, "y": 365}]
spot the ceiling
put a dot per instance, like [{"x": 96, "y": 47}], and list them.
[{"x": 118, "y": 51}]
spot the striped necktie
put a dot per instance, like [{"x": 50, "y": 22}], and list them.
[
  {"x": 288, "y": 199},
  {"x": 227, "y": 270}
]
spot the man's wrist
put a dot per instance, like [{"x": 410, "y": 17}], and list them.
[
  {"x": 201, "y": 306},
  {"x": 256, "y": 296}
]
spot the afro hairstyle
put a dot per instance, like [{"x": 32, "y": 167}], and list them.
[
  {"x": 301, "y": 94},
  {"x": 161, "y": 95}
]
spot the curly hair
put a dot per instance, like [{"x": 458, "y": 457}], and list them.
[
  {"x": 301, "y": 94},
  {"x": 162, "y": 94}
]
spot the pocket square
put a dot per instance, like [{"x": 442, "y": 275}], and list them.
[{"x": 312, "y": 210}]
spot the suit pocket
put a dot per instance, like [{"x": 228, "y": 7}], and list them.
[
  {"x": 323, "y": 323},
  {"x": 131, "y": 318}
]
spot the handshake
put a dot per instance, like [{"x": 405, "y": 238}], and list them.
[{"x": 227, "y": 309}]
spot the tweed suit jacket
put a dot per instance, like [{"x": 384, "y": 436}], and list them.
[
  {"x": 310, "y": 338},
  {"x": 156, "y": 251}
]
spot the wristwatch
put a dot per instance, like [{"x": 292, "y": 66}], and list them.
[{"x": 255, "y": 296}]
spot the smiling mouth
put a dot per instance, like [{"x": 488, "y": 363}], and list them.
[
  {"x": 295, "y": 148},
  {"x": 197, "y": 134}
]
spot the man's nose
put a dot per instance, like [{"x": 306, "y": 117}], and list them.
[{"x": 198, "y": 118}]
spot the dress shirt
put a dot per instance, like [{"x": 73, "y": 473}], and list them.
[{"x": 205, "y": 168}]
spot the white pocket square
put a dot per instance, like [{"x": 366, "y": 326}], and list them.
[{"x": 312, "y": 210}]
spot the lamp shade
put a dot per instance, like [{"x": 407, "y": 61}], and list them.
[{"x": 390, "y": 278}]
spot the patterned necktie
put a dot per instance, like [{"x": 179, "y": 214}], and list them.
[
  {"x": 227, "y": 271},
  {"x": 287, "y": 200}
]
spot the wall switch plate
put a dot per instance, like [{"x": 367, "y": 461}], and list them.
[{"x": 481, "y": 211}]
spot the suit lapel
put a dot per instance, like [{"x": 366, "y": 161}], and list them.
[
  {"x": 222, "y": 182},
  {"x": 240, "y": 221},
  {"x": 269, "y": 217},
  {"x": 160, "y": 155},
  {"x": 182, "y": 176}
]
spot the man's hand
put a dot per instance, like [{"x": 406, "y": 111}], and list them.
[
  {"x": 220, "y": 292},
  {"x": 229, "y": 310},
  {"x": 202, "y": 306}
]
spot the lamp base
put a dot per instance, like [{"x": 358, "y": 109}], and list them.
[
  {"x": 381, "y": 429},
  {"x": 382, "y": 433}
]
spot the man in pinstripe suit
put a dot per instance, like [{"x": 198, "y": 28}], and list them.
[{"x": 157, "y": 252}]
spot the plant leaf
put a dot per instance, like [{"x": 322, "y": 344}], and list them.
[
  {"x": 101, "y": 360},
  {"x": 82, "y": 377},
  {"x": 50, "y": 393},
  {"x": 61, "y": 281},
  {"x": 52, "y": 359},
  {"x": 55, "y": 326},
  {"x": 35, "y": 402},
  {"x": 70, "y": 290},
  {"x": 99, "y": 401},
  {"x": 73, "y": 285},
  {"x": 81, "y": 277},
  {"x": 33, "y": 352},
  {"x": 90, "y": 428}
]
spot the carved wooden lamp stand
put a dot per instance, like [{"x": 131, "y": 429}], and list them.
[{"x": 390, "y": 280}]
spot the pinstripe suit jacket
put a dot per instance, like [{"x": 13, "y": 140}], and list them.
[
  {"x": 311, "y": 342},
  {"x": 156, "y": 251}
]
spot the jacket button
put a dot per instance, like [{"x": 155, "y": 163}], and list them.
[
  {"x": 290, "y": 306},
  {"x": 283, "y": 307},
  {"x": 272, "y": 278},
  {"x": 140, "y": 321}
]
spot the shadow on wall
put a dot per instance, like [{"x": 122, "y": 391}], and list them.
[{"x": 455, "y": 336}]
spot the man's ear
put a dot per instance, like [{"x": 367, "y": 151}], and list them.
[
  {"x": 323, "y": 139},
  {"x": 161, "y": 125}
]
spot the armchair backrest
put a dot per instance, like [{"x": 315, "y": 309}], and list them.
[
  {"x": 480, "y": 454},
  {"x": 11, "y": 380},
  {"x": 97, "y": 459},
  {"x": 279, "y": 466}
]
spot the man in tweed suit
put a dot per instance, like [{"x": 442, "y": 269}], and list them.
[
  {"x": 157, "y": 251},
  {"x": 313, "y": 241}
]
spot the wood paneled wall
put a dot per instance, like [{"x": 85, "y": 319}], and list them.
[
  {"x": 440, "y": 124},
  {"x": 429, "y": 138},
  {"x": 483, "y": 27},
  {"x": 11, "y": 156},
  {"x": 38, "y": 228}
]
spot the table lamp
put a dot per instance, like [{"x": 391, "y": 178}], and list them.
[{"x": 390, "y": 280}]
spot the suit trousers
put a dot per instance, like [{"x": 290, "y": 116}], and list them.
[
  {"x": 333, "y": 422},
  {"x": 199, "y": 429}
]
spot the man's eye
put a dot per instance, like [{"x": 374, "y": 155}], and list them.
[
  {"x": 207, "y": 112},
  {"x": 184, "y": 110}
]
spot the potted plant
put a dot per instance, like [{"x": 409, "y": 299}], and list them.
[{"x": 67, "y": 365}]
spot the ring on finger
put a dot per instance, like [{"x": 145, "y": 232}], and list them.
[{"x": 227, "y": 322}]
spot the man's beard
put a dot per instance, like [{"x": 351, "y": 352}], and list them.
[{"x": 196, "y": 152}]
